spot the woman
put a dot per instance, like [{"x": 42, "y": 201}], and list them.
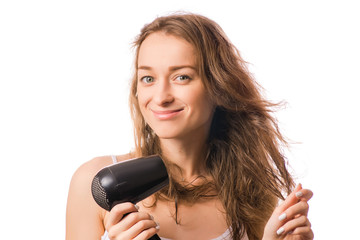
[{"x": 194, "y": 102}]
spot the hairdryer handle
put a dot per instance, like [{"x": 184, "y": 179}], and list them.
[{"x": 155, "y": 237}]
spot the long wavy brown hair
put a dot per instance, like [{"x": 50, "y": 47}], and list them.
[{"x": 244, "y": 149}]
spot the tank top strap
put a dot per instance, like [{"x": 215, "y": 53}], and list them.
[{"x": 113, "y": 157}]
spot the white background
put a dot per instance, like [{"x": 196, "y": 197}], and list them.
[{"x": 64, "y": 78}]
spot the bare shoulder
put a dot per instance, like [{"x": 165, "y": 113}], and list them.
[
  {"x": 89, "y": 169},
  {"x": 124, "y": 157},
  {"x": 82, "y": 213},
  {"x": 82, "y": 178}
]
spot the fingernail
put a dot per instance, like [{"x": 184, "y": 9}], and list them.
[
  {"x": 299, "y": 194},
  {"x": 157, "y": 225},
  {"x": 282, "y": 216},
  {"x": 280, "y": 231},
  {"x": 136, "y": 206}
]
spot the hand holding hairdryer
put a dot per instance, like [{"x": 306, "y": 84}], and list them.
[{"x": 129, "y": 181}]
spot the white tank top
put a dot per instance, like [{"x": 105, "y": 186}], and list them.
[{"x": 225, "y": 236}]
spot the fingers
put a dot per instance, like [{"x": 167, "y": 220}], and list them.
[
  {"x": 298, "y": 194},
  {"x": 304, "y": 194},
  {"x": 297, "y": 226},
  {"x": 300, "y": 208},
  {"x": 304, "y": 231},
  {"x": 138, "y": 219},
  {"x": 118, "y": 212},
  {"x": 125, "y": 222},
  {"x": 291, "y": 199},
  {"x": 143, "y": 229},
  {"x": 293, "y": 219},
  {"x": 290, "y": 217},
  {"x": 149, "y": 232}
]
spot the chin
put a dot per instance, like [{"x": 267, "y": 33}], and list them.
[{"x": 166, "y": 134}]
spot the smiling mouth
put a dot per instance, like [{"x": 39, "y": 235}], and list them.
[{"x": 166, "y": 115}]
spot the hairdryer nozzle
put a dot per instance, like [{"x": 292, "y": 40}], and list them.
[{"x": 129, "y": 181}]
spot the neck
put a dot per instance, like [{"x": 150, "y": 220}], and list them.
[{"x": 188, "y": 155}]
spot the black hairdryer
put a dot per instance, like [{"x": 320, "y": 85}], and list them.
[{"x": 129, "y": 181}]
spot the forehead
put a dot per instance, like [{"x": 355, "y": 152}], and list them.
[{"x": 161, "y": 49}]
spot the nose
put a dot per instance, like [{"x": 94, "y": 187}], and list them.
[{"x": 163, "y": 93}]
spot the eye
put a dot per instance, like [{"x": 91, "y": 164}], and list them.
[
  {"x": 183, "y": 78},
  {"x": 147, "y": 79}
]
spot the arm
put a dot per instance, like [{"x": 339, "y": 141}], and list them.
[
  {"x": 84, "y": 219},
  {"x": 289, "y": 220}
]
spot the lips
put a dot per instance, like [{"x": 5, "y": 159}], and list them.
[{"x": 166, "y": 115}]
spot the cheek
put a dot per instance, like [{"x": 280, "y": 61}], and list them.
[
  {"x": 200, "y": 104},
  {"x": 142, "y": 97},
  {"x": 198, "y": 98},
  {"x": 142, "y": 106}
]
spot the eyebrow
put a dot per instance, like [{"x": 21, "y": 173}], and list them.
[{"x": 172, "y": 68}]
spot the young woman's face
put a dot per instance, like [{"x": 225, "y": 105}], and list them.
[{"x": 171, "y": 94}]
